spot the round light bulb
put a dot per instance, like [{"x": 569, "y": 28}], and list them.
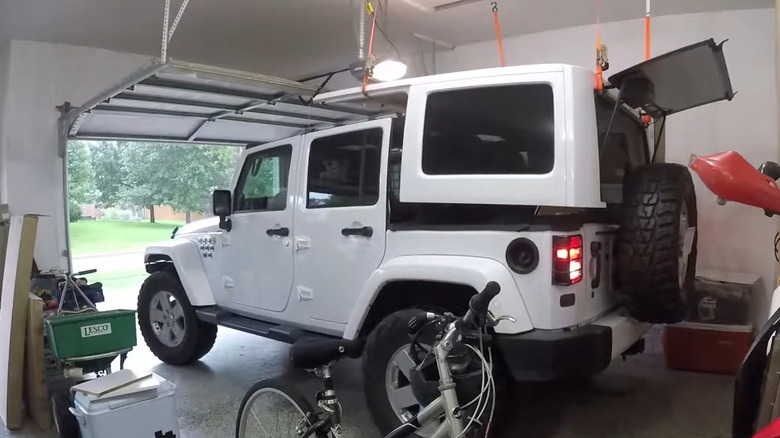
[{"x": 389, "y": 70}]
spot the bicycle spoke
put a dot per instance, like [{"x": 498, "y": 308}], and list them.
[
  {"x": 259, "y": 423},
  {"x": 270, "y": 414}
]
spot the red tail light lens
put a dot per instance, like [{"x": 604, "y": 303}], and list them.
[{"x": 567, "y": 262}]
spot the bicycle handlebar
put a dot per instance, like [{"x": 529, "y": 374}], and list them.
[
  {"x": 478, "y": 307},
  {"x": 87, "y": 272},
  {"x": 474, "y": 317}
]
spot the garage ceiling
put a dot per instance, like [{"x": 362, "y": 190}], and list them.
[{"x": 295, "y": 38}]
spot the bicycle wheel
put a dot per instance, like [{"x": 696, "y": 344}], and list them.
[{"x": 272, "y": 409}]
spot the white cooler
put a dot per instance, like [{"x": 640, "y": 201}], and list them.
[{"x": 126, "y": 404}]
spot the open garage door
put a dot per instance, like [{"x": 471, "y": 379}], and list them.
[
  {"x": 190, "y": 103},
  {"x": 181, "y": 102}
]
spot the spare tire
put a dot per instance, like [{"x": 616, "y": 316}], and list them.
[{"x": 657, "y": 243}]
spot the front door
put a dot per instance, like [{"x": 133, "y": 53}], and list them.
[
  {"x": 258, "y": 254},
  {"x": 340, "y": 221}
]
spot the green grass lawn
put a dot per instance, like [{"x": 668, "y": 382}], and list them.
[
  {"x": 111, "y": 237},
  {"x": 119, "y": 280}
]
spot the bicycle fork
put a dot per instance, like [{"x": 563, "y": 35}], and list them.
[
  {"x": 328, "y": 402},
  {"x": 447, "y": 386}
]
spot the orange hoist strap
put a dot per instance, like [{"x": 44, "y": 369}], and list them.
[
  {"x": 497, "y": 25},
  {"x": 599, "y": 68},
  {"x": 366, "y": 72},
  {"x": 646, "y": 118},
  {"x": 599, "y": 82}
]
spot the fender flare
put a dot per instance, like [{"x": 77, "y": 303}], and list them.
[
  {"x": 472, "y": 271},
  {"x": 187, "y": 260}
]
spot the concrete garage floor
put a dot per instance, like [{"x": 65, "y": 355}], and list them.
[{"x": 638, "y": 398}]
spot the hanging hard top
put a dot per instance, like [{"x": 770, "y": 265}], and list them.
[
  {"x": 676, "y": 81},
  {"x": 182, "y": 102}
]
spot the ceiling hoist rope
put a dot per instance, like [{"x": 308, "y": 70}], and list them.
[
  {"x": 366, "y": 67},
  {"x": 499, "y": 39},
  {"x": 600, "y": 51},
  {"x": 646, "y": 118}
]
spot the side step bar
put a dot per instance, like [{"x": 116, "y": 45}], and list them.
[{"x": 277, "y": 332}]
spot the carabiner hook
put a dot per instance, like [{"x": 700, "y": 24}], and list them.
[{"x": 494, "y": 5}]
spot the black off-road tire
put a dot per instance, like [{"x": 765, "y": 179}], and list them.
[
  {"x": 387, "y": 337},
  {"x": 650, "y": 243},
  {"x": 199, "y": 336}
]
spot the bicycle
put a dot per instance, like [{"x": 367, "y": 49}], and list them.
[{"x": 462, "y": 356}]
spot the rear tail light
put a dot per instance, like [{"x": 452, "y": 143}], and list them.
[{"x": 567, "y": 260}]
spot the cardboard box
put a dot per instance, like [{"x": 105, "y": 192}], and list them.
[{"x": 13, "y": 317}]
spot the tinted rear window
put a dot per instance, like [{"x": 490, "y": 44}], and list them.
[{"x": 490, "y": 131}]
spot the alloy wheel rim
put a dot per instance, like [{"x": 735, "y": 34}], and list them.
[{"x": 166, "y": 317}]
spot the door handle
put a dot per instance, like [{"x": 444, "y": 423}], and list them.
[
  {"x": 361, "y": 231},
  {"x": 595, "y": 251},
  {"x": 282, "y": 231}
]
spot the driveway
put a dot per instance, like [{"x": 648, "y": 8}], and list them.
[{"x": 110, "y": 262}]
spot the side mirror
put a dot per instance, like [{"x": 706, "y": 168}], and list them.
[{"x": 223, "y": 207}]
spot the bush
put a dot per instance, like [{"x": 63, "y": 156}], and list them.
[{"x": 74, "y": 211}]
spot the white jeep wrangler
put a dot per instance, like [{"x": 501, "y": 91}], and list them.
[{"x": 520, "y": 175}]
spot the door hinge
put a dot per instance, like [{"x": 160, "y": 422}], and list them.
[
  {"x": 305, "y": 294},
  {"x": 302, "y": 243}
]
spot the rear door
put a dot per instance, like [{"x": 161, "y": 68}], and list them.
[
  {"x": 685, "y": 78},
  {"x": 340, "y": 221}
]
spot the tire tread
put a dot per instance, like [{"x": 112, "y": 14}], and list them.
[
  {"x": 648, "y": 242},
  {"x": 195, "y": 345}
]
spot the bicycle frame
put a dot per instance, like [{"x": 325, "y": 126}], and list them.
[{"x": 446, "y": 404}]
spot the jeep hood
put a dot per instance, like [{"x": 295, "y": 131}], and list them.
[
  {"x": 676, "y": 81},
  {"x": 209, "y": 225}
]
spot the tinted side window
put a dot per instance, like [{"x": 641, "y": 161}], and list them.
[
  {"x": 624, "y": 148},
  {"x": 262, "y": 185},
  {"x": 490, "y": 131},
  {"x": 344, "y": 170}
]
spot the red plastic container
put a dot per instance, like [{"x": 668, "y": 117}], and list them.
[{"x": 709, "y": 348}]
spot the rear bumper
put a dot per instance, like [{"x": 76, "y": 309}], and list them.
[{"x": 543, "y": 355}]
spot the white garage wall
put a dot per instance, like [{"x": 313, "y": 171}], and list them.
[
  {"x": 733, "y": 237},
  {"x": 5, "y": 48},
  {"x": 40, "y": 77}
]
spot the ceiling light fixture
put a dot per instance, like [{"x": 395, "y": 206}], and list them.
[{"x": 389, "y": 70}]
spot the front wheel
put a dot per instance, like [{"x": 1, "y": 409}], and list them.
[
  {"x": 273, "y": 409},
  {"x": 168, "y": 321}
]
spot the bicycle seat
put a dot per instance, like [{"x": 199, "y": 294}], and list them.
[{"x": 313, "y": 352}]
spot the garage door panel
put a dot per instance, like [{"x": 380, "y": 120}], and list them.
[
  {"x": 141, "y": 105},
  {"x": 242, "y": 132},
  {"x": 136, "y": 125},
  {"x": 174, "y": 93}
]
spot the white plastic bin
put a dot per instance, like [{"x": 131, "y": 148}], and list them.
[{"x": 143, "y": 409}]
